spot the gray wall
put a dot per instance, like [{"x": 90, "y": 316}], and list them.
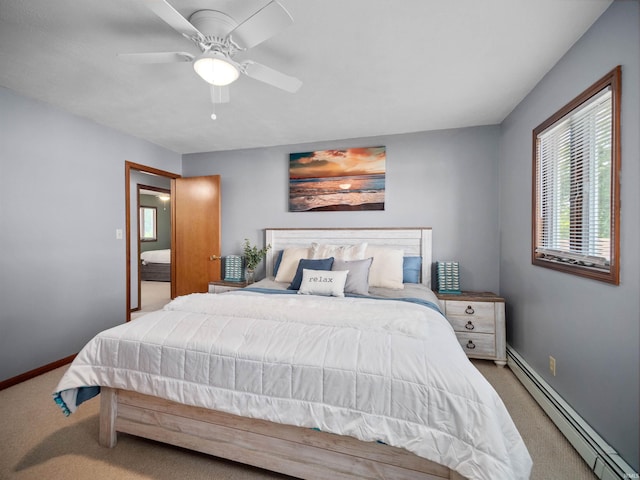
[
  {"x": 446, "y": 180},
  {"x": 62, "y": 270},
  {"x": 591, "y": 328}
]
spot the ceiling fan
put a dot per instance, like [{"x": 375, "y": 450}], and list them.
[{"x": 219, "y": 38}]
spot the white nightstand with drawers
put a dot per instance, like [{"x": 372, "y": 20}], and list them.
[{"x": 478, "y": 320}]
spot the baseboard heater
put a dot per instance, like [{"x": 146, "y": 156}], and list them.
[{"x": 600, "y": 456}]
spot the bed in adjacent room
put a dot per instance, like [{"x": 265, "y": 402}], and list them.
[
  {"x": 339, "y": 364},
  {"x": 155, "y": 265}
]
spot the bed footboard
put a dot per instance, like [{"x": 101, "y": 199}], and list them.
[{"x": 296, "y": 451}]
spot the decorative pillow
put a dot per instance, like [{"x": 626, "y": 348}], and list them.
[
  {"x": 309, "y": 264},
  {"x": 386, "y": 268},
  {"x": 411, "y": 269},
  {"x": 323, "y": 282},
  {"x": 289, "y": 263},
  {"x": 277, "y": 258},
  {"x": 339, "y": 252},
  {"x": 358, "y": 278}
]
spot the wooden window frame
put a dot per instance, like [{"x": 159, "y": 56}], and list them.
[{"x": 611, "y": 275}]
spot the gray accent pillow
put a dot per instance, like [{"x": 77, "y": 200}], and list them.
[{"x": 358, "y": 276}]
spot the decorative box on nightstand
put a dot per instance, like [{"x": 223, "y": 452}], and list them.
[
  {"x": 222, "y": 286},
  {"x": 478, "y": 320}
]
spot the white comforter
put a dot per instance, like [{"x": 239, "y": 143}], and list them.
[
  {"x": 377, "y": 370},
  {"x": 156, "y": 256}
]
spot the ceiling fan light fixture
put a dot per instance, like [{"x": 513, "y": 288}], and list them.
[{"x": 215, "y": 68}]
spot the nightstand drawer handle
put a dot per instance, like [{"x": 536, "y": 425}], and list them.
[
  {"x": 469, "y": 310},
  {"x": 469, "y": 325},
  {"x": 471, "y": 345}
]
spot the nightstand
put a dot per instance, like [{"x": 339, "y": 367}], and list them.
[
  {"x": 222, "y": 286},
  {"x": 478, "y": 321}
]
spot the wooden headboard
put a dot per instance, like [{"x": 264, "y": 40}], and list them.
[{"x": 414, "y": 242}]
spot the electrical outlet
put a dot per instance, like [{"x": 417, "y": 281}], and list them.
[{"x": 552, "y": 365}]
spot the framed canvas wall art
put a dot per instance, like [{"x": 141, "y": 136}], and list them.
[{"x": 352, "y": 179}]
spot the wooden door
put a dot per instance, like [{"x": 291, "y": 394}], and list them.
[{"x": 195, "y": 249}]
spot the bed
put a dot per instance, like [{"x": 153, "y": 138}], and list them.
[
  {"x": 155, "y": 265},
  {"x": 311, "y": 385}
]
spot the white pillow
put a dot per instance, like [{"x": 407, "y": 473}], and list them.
[
  {"x": 386, "y": 268},
  {"x": 338, "y": 252},
  {"x": 289, "y": 263},
  {"x": 323, "y": 282}
]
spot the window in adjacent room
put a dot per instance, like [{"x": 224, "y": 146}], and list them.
[
  {"x": 148, "y": 226},
  {"x": 576, "y": 164}
]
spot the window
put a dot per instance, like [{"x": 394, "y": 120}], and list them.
[
  {"x": 576, "y": 163},
  {"x": 148, "y": 224}
]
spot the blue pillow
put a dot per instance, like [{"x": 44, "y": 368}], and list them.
[
  {"x": 276, "y": 262},
  {"x": 411, "y": 267},
  {"x": 309, "y": 264}
]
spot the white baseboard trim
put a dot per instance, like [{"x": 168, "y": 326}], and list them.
[{"x": 600, "y": 456}]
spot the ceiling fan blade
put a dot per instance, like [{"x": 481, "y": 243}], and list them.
[
  {"x": 219, "y": 94},
  {"x": 171, "y": 16},
  {"x": 159, "y": 57},
  {"x": 272, "y": 77},
  {"x": 262, "y": 25}
]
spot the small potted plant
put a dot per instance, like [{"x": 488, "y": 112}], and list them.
[{"x": 252, "y": 258}]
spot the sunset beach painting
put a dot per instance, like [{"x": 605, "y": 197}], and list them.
[{"x": 337, "y": 180}]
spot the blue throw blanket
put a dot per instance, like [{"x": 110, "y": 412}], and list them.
[{"x": 419, "y": 301}]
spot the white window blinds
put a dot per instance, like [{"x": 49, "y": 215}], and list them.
[{"x": 574, "y": 185}]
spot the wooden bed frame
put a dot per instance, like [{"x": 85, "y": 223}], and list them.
[
  {"x": 155, "y": 272},
  {"x": 296, "y": 451}
]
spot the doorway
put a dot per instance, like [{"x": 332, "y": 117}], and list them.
[
  {"x": 195, "y": 231},
  {"x": 153, "y": 245},
  {"x": 136, "y": 175}
]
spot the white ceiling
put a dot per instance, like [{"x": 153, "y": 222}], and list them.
[{"x": 369, "y": 67}]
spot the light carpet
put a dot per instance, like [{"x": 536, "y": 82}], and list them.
[
  {"x": 153, "y": 296},
  {"x": 39, "y": 442}
]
